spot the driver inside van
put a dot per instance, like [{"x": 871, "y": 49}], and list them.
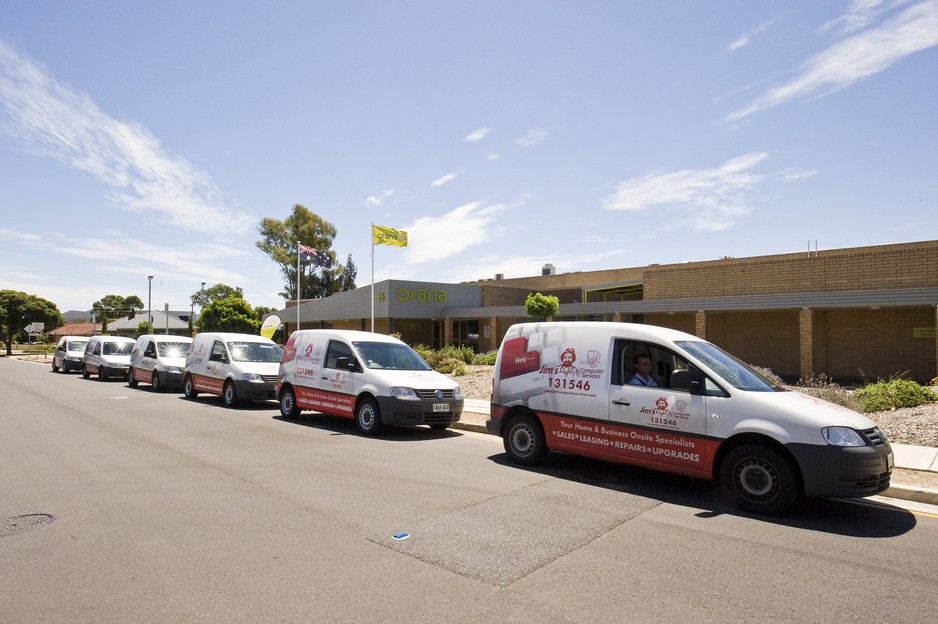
[{"x": 642, "y": 376}]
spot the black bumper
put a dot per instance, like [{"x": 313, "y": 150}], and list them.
[
  {"x": 395, "y": 411},
  {"x": 843, "y": 472}
]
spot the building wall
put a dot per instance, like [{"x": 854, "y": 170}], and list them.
[
  {"x": 909, "y": 265},
  {"x": 878, "y": 344}
]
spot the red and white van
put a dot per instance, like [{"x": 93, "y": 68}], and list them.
[
  {"x": 696, "y": 410},
  {"x": 376, "y": 380}
]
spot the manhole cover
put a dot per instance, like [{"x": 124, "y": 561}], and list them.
[{"x": 18, "y": 524}]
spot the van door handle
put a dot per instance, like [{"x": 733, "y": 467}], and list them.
[
  {"x": 324, "y": 377},
  {"x": 618, "y": 402}
]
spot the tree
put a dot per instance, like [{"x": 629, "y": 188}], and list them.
[
  {"x": 205, "y": 296},
  {"x": 115, "y": 306},
  {"x": 303, "y": 226},
  {"x": 231, "y": 314},
  {"x": 540, "y": 306},
  {"x": 18, "y": 309}
]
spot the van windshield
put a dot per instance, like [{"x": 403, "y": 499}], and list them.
[
  {"x": 730, "y": 368},
  {"x": 116, "y": 348},
  {"x": 173, "y": 349},
  {"x": 76, "y": 345},
  {"x": 391, "y": 356},
  {"x": 254, "y": 352}
]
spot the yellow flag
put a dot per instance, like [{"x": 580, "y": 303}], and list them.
[{"x": 381, "y": 235}]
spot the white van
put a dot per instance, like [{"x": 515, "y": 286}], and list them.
[
  {"x": 159, "y": 360},
  {"x": 106, "y": 356},
  {"x": 696, "y": 410},
  {"x": 237, "y": 367},
  {"x": 375, "y": 379},
  {"x": 69, "y": 353}
]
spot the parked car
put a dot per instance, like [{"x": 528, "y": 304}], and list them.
[
  {"x": 107, "y": 356},
  {"x": 68, "y": 353},
  {"x": 159, "y": 360},
  {"x": 667, "y": 400},
  {"x": 374, "y": 379},
  {"x": 236, "y": 367}
]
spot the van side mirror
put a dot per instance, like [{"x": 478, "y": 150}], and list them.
[
  {"x": 683, "y": 379},
  {"x": 345, "y": 363}
]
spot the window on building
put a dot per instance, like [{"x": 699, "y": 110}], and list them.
[{"x": 466, "y": 334}]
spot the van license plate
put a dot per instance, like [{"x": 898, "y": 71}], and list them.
[{"x": 441, "y": 407}]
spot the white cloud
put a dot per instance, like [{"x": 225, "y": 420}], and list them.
[
  {"x": 380, "y": 197},
  {"x": 53, "y": 120},
  {"x": 492, "y": 156},
  {"x": 706, "y": 199},
  {"x": 533, "y": 137},
  {"x": 796, "y": 175},
  {"x": 744, "y": 40},
  {"x": 487, "y": 266},
  {"x": 858, "y": 15},
  {"x": 430, "y": 239},
  {"x": 22, "y": 236},
  {"x": 449, "y": 177},
  {"x": 856, "y": 58},
  {"x": 477, "y": 135}
]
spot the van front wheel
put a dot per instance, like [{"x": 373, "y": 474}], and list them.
[
  {"x": 524, "y": 440},
  {"x": 155, "y": 384},
  {"x": 759, "y": 479},
  {"x": 368, "y": 417},
  {"x": 188, "y": 388},
  {"x": 230, "y": 395},
  {"x": 288, "y": 407}
]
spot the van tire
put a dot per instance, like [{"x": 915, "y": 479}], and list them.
[
  {"x": 55, "y": 368},
  {"x": 760, "y": 479},
  {"x": 524, "y": 440},
  {"x": 188, "y": 388},
  {"x": 101, "y": 375},
  {"x": 288, "y": 407},
  {"x": 229, "y": 394},
  {"x": 368, "y": 417},
  {"x": 155, "y": 384},
  {"x": 84, "y": 372},
  {"x": 131, "y": 380}
]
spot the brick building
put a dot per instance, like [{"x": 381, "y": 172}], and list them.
[{"x": 866, "y": 312}]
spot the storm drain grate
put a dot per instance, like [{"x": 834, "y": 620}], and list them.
[{"x": 18, "y": 524}]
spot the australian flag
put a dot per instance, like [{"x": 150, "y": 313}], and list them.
[{"x": 308, "y": 255}]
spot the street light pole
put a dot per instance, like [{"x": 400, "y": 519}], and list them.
[{"x": 149, "y": 304}]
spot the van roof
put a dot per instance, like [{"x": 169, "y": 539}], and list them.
[
  {"x": 630, "y": 330},
  {"x": 349, "y": 334}
]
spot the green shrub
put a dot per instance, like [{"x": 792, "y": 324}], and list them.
[
  {"x": 485, "y": 359},
  {"x": 894, "y": 393},
  {"x": 822, "y": 387},
  {"x": 768, "y": 374},
  {"x": 464, "y": 354},
  {"x": 448, "y": 360}
]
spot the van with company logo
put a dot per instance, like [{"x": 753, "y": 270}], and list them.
[
  {"x": 667, "y": 400},
  {"x": 374, "y": 379},
  {"x": 69, "y": 353},
  {"x": 106, "y": 356},
  {"x": 159, "y": 360},
  {"x": 236, "y": 367}
]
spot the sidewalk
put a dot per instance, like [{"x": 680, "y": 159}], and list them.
[{"x": 476, "y": 412}]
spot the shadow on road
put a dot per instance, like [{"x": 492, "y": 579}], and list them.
[{"x": 847, "y": 517}]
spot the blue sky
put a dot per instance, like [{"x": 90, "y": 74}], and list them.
[{"x": 150, "y": 138}]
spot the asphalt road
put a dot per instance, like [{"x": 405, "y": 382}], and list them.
[{"x": 166, "y": 510}]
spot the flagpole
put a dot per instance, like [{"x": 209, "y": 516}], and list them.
[
  {"x": 372, "y": 276},
  {"x": 298, "y": 254}
]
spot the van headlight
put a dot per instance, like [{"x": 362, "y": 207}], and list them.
[
  {"x": 173, "y": 369},
  {"x": 842, "y": 436},
  {"x": 403, "y": 393},
  {"x": 457, "y": 393},
  {"x": 253, "y": 377}
]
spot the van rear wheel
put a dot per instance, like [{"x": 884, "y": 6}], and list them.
[
  {"x": 288, "y": 407},
  {"x": 368, "y": 417},
  {"x": 760, "y": 479},
  {"x": 524, "y": 440}
]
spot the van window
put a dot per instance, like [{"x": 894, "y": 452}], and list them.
[
  {"x": 254, "y": 352},
  {"x": 219, "y": 353},
  {"x": 337, "y": 350},
  {"x": 150, "y": 351},
  {"x": 173, "y": 349},
  {"x": 391, "y": 356},
  {"x": 663, "y": 363},
  {"x": 736, "y": 372},
  {"x": 77, "y": 345},
  {"x": 117, "y": 348}
]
